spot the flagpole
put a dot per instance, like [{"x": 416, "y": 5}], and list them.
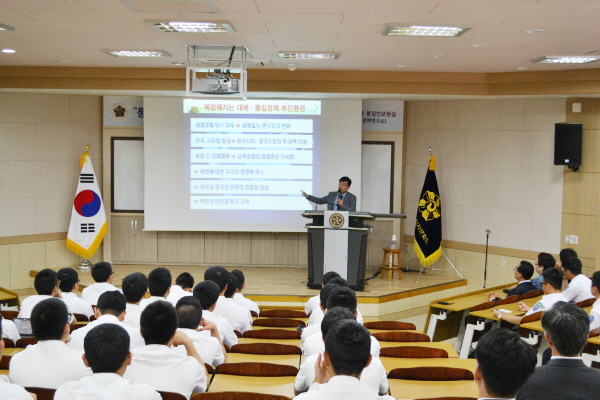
[{"x": 85, "y": 264}]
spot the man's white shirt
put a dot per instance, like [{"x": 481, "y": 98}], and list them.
[
  {"x": 30, "y": 302},
  {"x": 579, "y": 289},
  {"x": 105, "y": 386},
  {"x": 209, "y": 348},
  {"x": 547, "y": 302},
  {"x": 78, "y": 336},
  {"x": 238, "y": 316},
  {"x": 9, "y": 330},
  {"x": 133, "y": 313},
  {"x": 317, "y": 316},
  {"x": 91, "y": 293},
  {"x": 146, "y": 302},
  {"x": 341, "y": 387},
  {"x": 47, "y": 364},
  {"x": 315, "y": 345},
  {"x": 10, "y": 391},
  {"x": 312, "y": 304},
  {"x": 77, "y": 305},
  {"x": 176, "y": 294},
  {"x": 228, "y": 336},
  {"x": 239, "y": 298},
  {"x": 595, "y": 315}
]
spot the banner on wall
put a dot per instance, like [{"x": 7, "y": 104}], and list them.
[
  {"x": 428, "y": 227},
  {"x": 123, "y": 111},
  {"x": 383, "y": 115}
]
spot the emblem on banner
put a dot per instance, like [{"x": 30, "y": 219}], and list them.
[{"x": 336, "y": 220}]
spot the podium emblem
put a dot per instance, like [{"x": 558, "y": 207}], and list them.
[{"x": 336, "y": 220}]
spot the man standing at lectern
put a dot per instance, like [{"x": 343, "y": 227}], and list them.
[{"x": 341, "y": 200}]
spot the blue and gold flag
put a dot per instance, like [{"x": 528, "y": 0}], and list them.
[{"x": 428, "y": 228}]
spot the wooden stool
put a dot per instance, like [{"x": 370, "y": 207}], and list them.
[{"x": 394, "y": 252}]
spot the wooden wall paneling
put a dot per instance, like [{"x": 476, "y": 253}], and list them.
[
  {"x": 192, "y": 247},
  {"x": 584, "y": 226},
  {"x": 580, "y": 193},
  {"x": 589, "y": 115},
  {"x": 302, "y": 250},
  {"x": 122, "y": 239},
  {"x": 5, "y": 266},
  {"x": 263, "y": 248},
  {"x": 145, "y": 243},
  {"x": 286, "y": 248},
  {"x": 23, "y": 258},
  {"x": 169, "y": 247},
  {"x": 590, "y": 150},
  {"x": 215, "y": 248},
  {"x": 239, "y": 248}
]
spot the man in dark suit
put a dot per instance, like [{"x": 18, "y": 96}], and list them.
[
  {"x": 565, "y": 377},
  {"x": 523, "y": 273},
  {"x": 341, "y": 200}
]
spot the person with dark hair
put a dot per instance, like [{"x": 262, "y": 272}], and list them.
[
  {"x": 238, "y": 297},
  {"x": 315, "y": 328},
  {"x": 544, "y": 261},
  {"x": 190, "y": 321},
  {"x": 522, "y": 273},
  {"x": 595, "y": 312},
  {"x": 316, "y": 316},
  {"x": 9, "y": 331},
  {"x": 110, "y": 310},
  {"x": 107, "y": 354},
  {"x": 207, "y": 293},
  {"x": 373, "y": 376},
  {"x": 580, "y": 286},
  {"x": 10, "y": 390},
  {"x": 341, "y": 200},
  {"x": 157, "y": 364},
  {"x": 68, "y": 283},
  {"x": 313, "y": 303},
  {"x": 504, "y": 363},
  {"x": 135, "y": 286},
  {"x": 239, "y": 317},
  {"x": 218, "y": 275},
  {"x": 552, "y": 283},
  {"x": 103, "y": 274},
  {"x": 566, "y": 329},
  {"x": 181, "y": 287},
  {"x": 159, "y": 285},
  {"x": 563, "y": 259},
  {"x": 338, "y": 370},
  {"x": 49, "y": 363},
  {"x": 46, "y": 285}
]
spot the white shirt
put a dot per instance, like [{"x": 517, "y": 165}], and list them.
[
  {"x": 316, "y": 317},
  {"x": 176, "y": 294},
  {"x": 315, "y": 345},
  {"x": 10, "y": 391},
  {"x": 312, "y": 304},
  {"x": 47, "y": 364},
  {"x": 91, "y": 293},
  {"x": 78, "y": 336},
  {"x": 595, "y": 315},
  {"x": 579, "y": 289},
  {"x": 238, "y": 316},
  {"x": 547, "y": 302},
  {"x": 341, "y": 387},
  {"x": 373, "y": 376},
  {"x": 239, "y": 298},
  {"x": 77, "y": 305},
  {"x": 132, "y": 315},
  {"x": 9, "y": 330},
  {"x": 228, "y": 336},
  {"x": 166, "y": 370},
  {"x": 209, "y": 348},
  {"x": 105, "y": 386},
  {"x": 30, "y": 302},
  {"x": 145, "y": 302}
]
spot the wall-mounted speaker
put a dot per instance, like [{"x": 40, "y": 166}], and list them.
[{"x": 567, "y": 144}]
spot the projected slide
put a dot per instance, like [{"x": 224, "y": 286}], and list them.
[{"x": 251, "y": 155}]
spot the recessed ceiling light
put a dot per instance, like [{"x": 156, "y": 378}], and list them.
[
  {"x": 9, "y": 51},
  {"x": 177, "y": 63},
  {"x": 401, "y": 65},
  {"x": 522, "y": 67},
  {"x": 138, "y": 53},
  {"x": 439, "y": 56},
  {"x": 419, "y": 30},
  {"x": 193, "y": 27},
  {"x": 565, "y": 59},
  {"x": 290, "y": 55},
  {"x": 480, "y": 45},
  {"x": 535, "y": 31},
  {"x": 6, "y": 28}
]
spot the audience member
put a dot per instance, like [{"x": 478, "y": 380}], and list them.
[
  {"x": 313, "y": 329},
  {"x": 107, "y": 354},
  {"x": 157, "y": 364},
  {"x": 159, "y": 285},
  {"x": 595, "y": 313},
  {"x": 563, "y": 259},
  {"x": 134, "y": 287},
  {"x": 504, "y": 362},
  {"x": 316, "y": 316},
  {"x": 46, "y": 285},
  {"x": 565, "y": 377},
  {"x": 10, "y": 390},
  {"x": 207, "y": 293},
  {"x": 183, "y": 286},
  {"x": 239, "y": 317},
  {"x": 49, "y": 363},
  {"x": 69, "y": 286},
  {"x": 110, "y": 310},
  {"x": 9, "y": 330},
  {"x": 579, "y": 287},
  {"x": 544, "y": 261},
  {"x": 238, "y": 297},
  {"x": 102, "y": 273},
  {"x": 313, "y": 303},
  {"x": 522, "y": 273}
]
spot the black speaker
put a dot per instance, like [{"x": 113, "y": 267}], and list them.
[{"x": 567, "y": 144}]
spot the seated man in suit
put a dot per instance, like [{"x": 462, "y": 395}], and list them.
[
  {"x": 159, "y": 284},
  {"x": 504, "y": 362},
  {"x": 102, "y": 273},
  {"x": 134, "y": 287},
  {"x": 544, "y": 261},
  {"x": 523, "y": 273},
  {"x": 69, "y": 286},
  {"x": 10, "y": 390},
  {"x": 580, "y": 286},
  {"x": 341, "y": 200},
  {"x": 107, "y": 354},
  {"x": 566, "y": 328},
  {"x": 207, "y": 293}
]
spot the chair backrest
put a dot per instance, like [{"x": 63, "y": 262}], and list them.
[
  {"x": 265, "y": 348},
  {"x": 5, "y": 362},
  {"x": 413, "y": 352},
  {"x": 400, "y": 336},
  {"x": 532, "y": 294},
  {"x": 9, "y": 343},
  {"x": 24, "y": 342},
  {"x": 81, "y": 317},
  {"x": 586, "y": 303},
  {"x": 256, "y": 369},
  {"x": 447, "y": 398},
  {"x": 508, "y": 300},
  {"x": 283, "y": 314},
  {"x": 278, "y": 322},
  {"x": 483, "y": 306},
  {"x": 390, "y": 325},
  {"x": 431, "y": 374},
  {"x": 171, "y": 396},
  {"x": 532, "y": 317},
  {"x": 237, "y": 396},
  {"x": 42, "y": 393},
  {"x": 9, "y": 314},
  {"x": 254, "y": 314},
  {"x": 272, "y": 334},
  {"x": 74, "y": 327},
  {"x": 237, "y": 333}
]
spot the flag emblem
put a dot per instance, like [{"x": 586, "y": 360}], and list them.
[
  {"x": 87, "y": 203},
  {"x": 428, "y": 226},
  {"x": 429, "y": 206}
]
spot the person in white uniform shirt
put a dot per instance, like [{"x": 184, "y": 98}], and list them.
[
  {"x": 134, "y": 286},
  {"x": 69, "y": 286},
  {"x": 10, "y": 390},
  {"x": 159, "y": 285},
  {"x": 107, "y": 354},
  {"x": 46, "y": 285},
  {"x": 316, "y": 328},
  {"x": 579, "y": 287},
  {"x": 102, "y": 273},
  {"x": 238, "y": 297},
  {"x": 207, "y": 293},
  {"x": 10, "y": 331},
  {"x": 373, "y": 376},
  {"x": 183, "y": 286},
  {"x": 504, "y": 363},
  {"x": 595, "y": 313},
  {"x": 238, "y": 316},
  {"x": 190, "y": 321},
  {"x": 317, "y": 315},
  {"x": 110, "y": 310},
  {"x": 337, "y": 372},
  {"x": 313, "y": 303},
  {"x": 563, "y": 258},
  {"x": 49, "y": 363},
  {"x": 157, "y": 364}
]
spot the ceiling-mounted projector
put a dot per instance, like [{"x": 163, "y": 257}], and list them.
[{"x": 220, "y": 82}]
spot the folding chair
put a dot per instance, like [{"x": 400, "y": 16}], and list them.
[
  {"x": 9, "y": 314},
  {"x": 283, "y": 314},
  {"x": 508, "y": 300},
  {"x": 81, "y": 317},
  {"x": 42, "y": 393},
  {"x": 265, "y": 348},
  {"x": 272, "y": 334},
  {"x": 586, "y": 303},
  {"x": 24, "y": 342},
  {"x": 413, "y": 352},
  {"x": 237, "y": 396},
  {"x": 448, "y": 398},
  {"x": 278, "y": 322},
  {"x": 531, "y": 337},
  {"x": 431, "y": 374},
  {"x": 390, "y": 325},
  {"x": 170, "y": 396},
  {"x": 9, "y": 343},
  {"x": 399, "y": 336},
  {"x": 256, "y": 369},
  {"x": 532, "y": 294}
]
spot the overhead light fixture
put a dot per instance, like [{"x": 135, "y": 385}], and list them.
[
  {"x": 439, "y": 56},
  {"x": 193, "y": 27},
  {"x": 565, "y": 59},
  {"x": 480, "y": 45},
  {"x": 138, "y": 53},
  {"x": 178, "y": 63},
  {"x": 9, "y": 51},
  {"x": 6, "y": 28},
  {"x": 535, "y": 31},
  {"x": 420, "y": 30},
  {"x": 289, "y": 55},
  {"x": 522, "y": 68},
  {"x": 401, "y": 65}
]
